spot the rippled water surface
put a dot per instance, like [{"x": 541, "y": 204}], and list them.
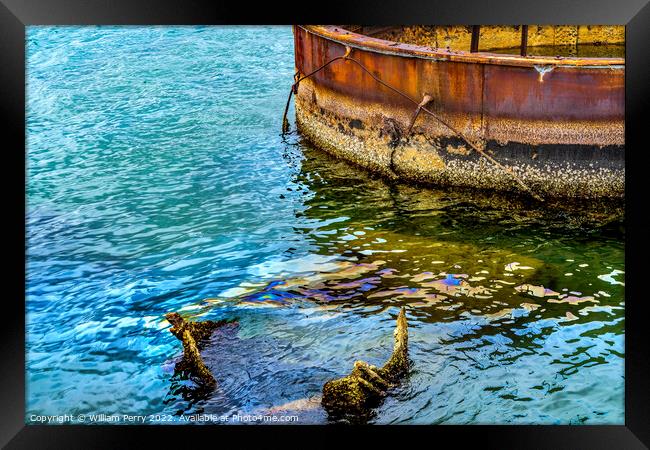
[{"x": 158, "y": 182}]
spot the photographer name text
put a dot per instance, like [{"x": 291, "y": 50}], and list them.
[{"x": 159, "y": 418}]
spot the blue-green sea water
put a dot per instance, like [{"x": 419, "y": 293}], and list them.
[{"x": 158, "y": 181}]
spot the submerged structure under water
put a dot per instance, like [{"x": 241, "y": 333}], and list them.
[{"x": 533, "y": 108}]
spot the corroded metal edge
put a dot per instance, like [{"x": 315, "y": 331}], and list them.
[{"x": 363, "y": 42}]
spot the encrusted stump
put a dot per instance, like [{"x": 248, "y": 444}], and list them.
[
  {"x": 366, "y": 385},
  {"x": 192, "y": 334}
]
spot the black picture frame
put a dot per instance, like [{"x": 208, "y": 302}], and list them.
[{"x": 15, "y": 15}]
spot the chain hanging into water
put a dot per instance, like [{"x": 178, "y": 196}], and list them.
[
  {"x": 297, "y": 80},
  {"x": 346, "y": 57}
]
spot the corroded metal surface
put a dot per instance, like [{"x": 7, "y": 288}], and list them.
[
  {"x": 376, "y": 144},
  {"x": 521, "y": 108}
]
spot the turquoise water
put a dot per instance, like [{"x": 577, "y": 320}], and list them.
[{"x": 158, "y": 182}]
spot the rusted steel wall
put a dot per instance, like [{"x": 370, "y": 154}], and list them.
[
  {"x": 530, "y": 100},
  {"x": 561, "y": 105}
]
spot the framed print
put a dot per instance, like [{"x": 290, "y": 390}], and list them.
[{"x": 259, "y": 221}]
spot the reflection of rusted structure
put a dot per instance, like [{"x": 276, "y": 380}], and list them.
[{"x": 555, "y": 122}]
